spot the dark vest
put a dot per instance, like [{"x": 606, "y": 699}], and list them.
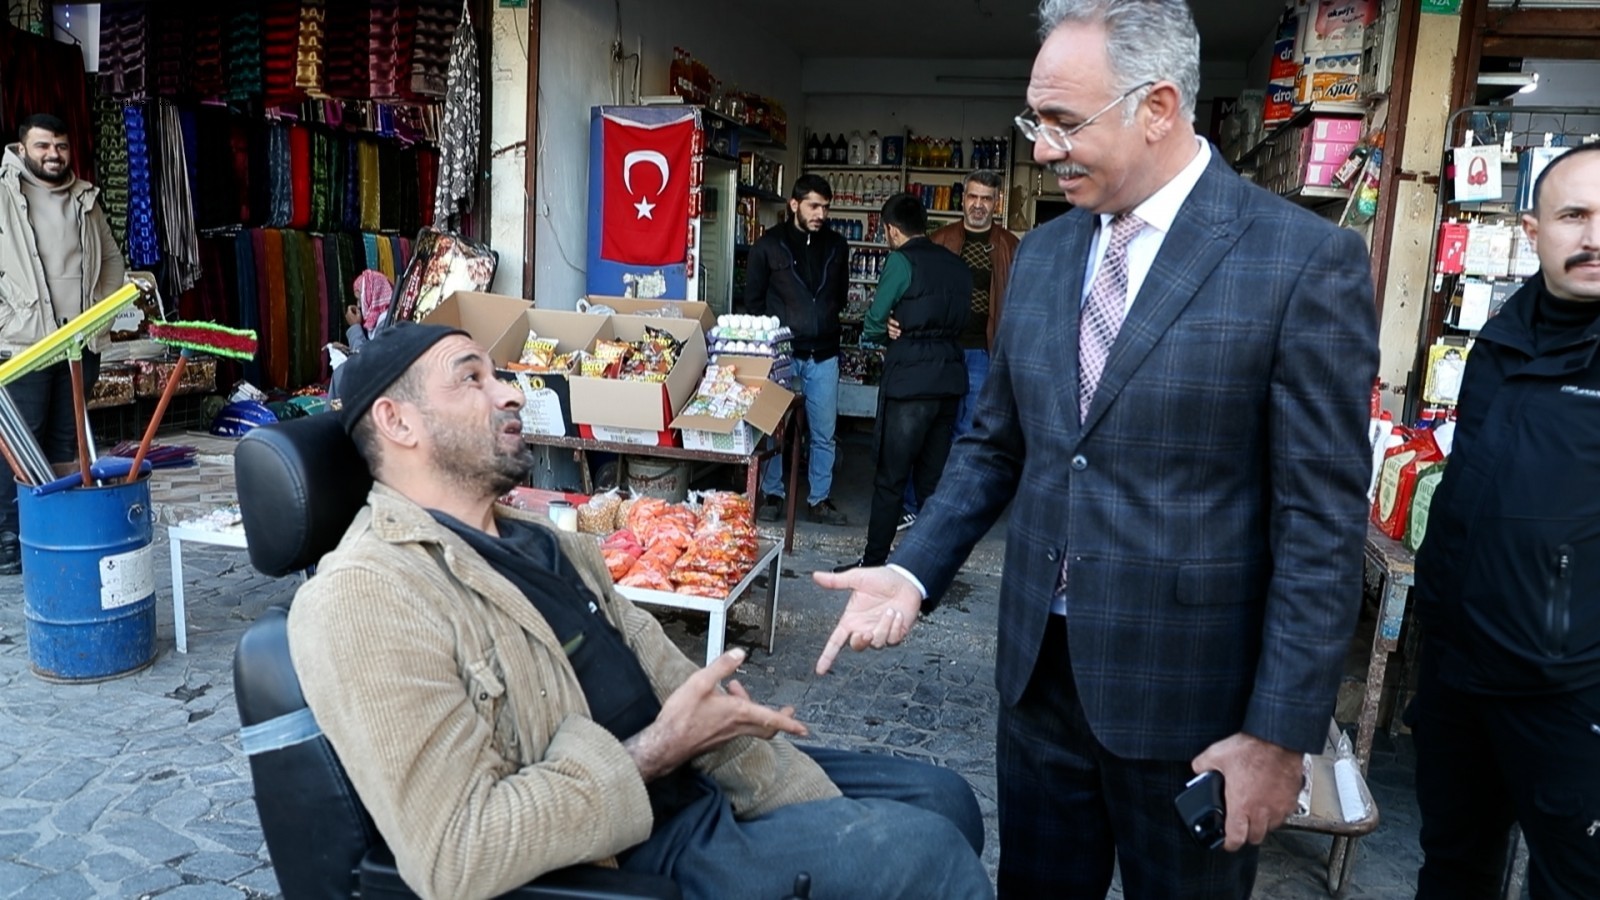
[{"x": 926, "y": 361}]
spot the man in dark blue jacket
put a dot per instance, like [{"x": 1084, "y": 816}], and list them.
[
  {"x": 927, "y": 288},
  {"x": 1507, "y": 714}
]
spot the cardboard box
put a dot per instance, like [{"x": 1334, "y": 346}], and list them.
[
  {"x": 691, "y": 309},
  {"x": 643, "y": 405},
  {"x": 637, "y": 436},
  {"x": 1279, "y": 105},
  {"x": 547, "y": 406},
  {"x": 495, "y": 321},
  {"x": 1334, "y": 77},
  {"x": 740, "y": 435},
  {"x": 1319, "y": 175},
  {"x": 1340, "y": 130},
  {"x": 1333, "y": 153}
]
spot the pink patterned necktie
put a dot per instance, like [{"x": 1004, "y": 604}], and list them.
[{"x": 1101, "y": 316}]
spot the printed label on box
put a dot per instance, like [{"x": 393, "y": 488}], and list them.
[
  {"x": 541, "y": 408},
  {"x": 126, "y": 577}
]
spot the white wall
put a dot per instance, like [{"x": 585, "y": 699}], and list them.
[
  {"x": 575, "y": 74},
  {"x": 508, "y": 61}
]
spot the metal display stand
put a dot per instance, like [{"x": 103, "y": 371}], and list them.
[
  {"x": 768, "y": 560},
  {"x": 789, "y": 431}
]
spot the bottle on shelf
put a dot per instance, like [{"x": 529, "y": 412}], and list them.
[
  {"x": 874, "y": 148},
  {"x": 955, "y": 153},
  {"x": 858, "y": 149},
  {"x": 813, "y": 149}
]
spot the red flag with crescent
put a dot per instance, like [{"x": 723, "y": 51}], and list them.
[{"x": 646, "y": 195}]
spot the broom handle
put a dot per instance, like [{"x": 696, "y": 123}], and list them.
[
  {"x": 155, "y": 417},
  {"x": 11, "y": 460},
  {"x": 78, "y": 412}
]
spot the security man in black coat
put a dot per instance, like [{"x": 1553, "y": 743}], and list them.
[
  {"x": 1507, "y": 714},
  {"x": 927, "y": 290}
]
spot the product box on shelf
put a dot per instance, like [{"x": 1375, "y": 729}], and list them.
[
  {"x": 739, "y": 435},
  {"x": 496, "y": 321},
  {"x": 1279, "y": 105},
  {"x": 643, "y": 405},
  {"x": 547, "y": 396},
  {"x": 685, "y": 309},
  {"x": 1334, "y": 77},
  {"x": 1336, "y": 129}
]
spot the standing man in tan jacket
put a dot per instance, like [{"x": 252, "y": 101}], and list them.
[
  {"x": 57, "y": 258},
  {"x": 502, "y": 711}
]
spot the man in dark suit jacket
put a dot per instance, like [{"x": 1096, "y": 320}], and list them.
[{"x": 1187, "y": 468}]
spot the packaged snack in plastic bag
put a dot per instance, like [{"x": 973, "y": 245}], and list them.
[
  {"x": 652, "y": 570},
  {"x": 599, "y": 514},
  {"x": 621, "y": 550}
]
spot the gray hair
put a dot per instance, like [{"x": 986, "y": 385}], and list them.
[
  {"x": 1146, "y": 40},
  {"x": 989, "y": 178}
]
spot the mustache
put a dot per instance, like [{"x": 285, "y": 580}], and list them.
[
  {"x": 1065, "y": 169},
  {"x": 1578, "y": 259}
]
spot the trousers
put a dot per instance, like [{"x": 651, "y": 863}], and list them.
[
  {"x": 1070, "y": 809},
  {"x": 819, "y": 382},
  {"x": 903, "y": 829},
  {"x": 1485, "y": 762},
  {"x": 912, "y": 445}
]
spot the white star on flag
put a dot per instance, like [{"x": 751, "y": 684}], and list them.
[{"x": 644, "y": 206}]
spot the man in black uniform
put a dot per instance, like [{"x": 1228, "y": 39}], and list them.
[
  {"x": 927, "y": 289},
  {"x": 1507, "y": 714},
  {"x": 799, "y": 272}
]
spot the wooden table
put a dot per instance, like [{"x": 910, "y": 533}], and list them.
[
  {"x": 788, "y": 432},
  {"x": 1389, "y": 565}
]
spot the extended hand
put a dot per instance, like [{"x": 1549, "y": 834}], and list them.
[
  {"x": 1262, "y": 782},
  {"x": 882, "y": 608},
  {"x": 701, "y": 716}
]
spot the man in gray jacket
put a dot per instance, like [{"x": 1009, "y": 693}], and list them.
[{"x": 57, "y": 258}]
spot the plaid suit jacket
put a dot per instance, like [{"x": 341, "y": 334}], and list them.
[{"x": 1212, "y": 506}]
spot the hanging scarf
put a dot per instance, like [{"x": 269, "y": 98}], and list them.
[
  {"x": 111, "y": 163},
  {"x": 367, "y": 159},
  {"x": 308, "y": 59},
  {"x": 144, "y": 248},
  {"x": 246, "y": 294},
  {"x": 299, "y": 176},
  {"x": 179, "y": 241},
  {"x": 123, "y": 49},
  {"x": 458, "y": 142},
  {"x": 243, "y": 57}
]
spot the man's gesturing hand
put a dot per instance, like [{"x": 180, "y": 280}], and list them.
[
  {"x": 882, "y": 608},
  {"x": 701, "y": 716},
  {"x": 1262, "y": 782}
]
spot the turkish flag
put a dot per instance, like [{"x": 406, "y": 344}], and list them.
[{"x": 646, "y": 192}]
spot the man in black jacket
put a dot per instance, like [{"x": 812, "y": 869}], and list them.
[
  {"x": 799, "y": 272},
  {"x": 1507, "y": 714},
  {"x": 927, "y": 289}
]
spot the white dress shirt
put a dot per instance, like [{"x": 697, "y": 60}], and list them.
[{"x": 1157, "y": 212}]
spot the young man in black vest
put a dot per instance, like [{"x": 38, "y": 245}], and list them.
[{"x": 927, "y": 289}]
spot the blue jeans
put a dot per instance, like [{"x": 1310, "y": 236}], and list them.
[
  {"x": 977, "y": 374},
  {"x": 902, "y": 829},
  {"x": 819, "y": 381}
]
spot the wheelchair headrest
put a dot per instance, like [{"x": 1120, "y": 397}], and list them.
[{"x": 300, "y": 483}]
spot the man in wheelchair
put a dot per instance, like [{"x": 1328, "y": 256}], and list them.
[{"x": 502, "y": 712}]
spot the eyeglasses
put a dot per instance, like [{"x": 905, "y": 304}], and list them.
[{"x": 1061, "y": 138}]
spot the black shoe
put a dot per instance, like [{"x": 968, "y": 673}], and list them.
[
  {"x": 825, "y": 513},
  {"x": 845, "y": 567},
  {"x": 10, "y": 554},
  {"x": 771, "y": 509},
  {"x": 906, "y": 521}
]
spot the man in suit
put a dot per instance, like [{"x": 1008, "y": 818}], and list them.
[{"x": 1176, "y": 412}]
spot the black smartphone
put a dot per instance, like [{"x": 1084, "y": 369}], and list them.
[{"x": 1203, "y": 810}]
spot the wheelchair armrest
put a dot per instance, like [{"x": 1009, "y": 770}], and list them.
[{"x": 380, "y": 880}]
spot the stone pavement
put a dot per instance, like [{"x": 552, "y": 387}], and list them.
[{"x": 136, "y": 787}]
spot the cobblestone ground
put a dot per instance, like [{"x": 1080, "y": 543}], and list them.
[{"x": 136, "y": 787}]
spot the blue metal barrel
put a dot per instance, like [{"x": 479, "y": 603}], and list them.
[{"x": 88, "y": 581}]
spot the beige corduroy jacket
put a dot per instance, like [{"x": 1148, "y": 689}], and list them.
[{"x": 463, "y": 727}]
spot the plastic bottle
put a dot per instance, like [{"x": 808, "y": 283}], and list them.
[
  {"x": 874, "y": 148},
  {"x": 858, "y": 149}
]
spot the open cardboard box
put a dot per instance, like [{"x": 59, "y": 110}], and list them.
[
  {"x": 548, "y": 395},
  {"x": 642, "y": 406},
  {"x": 496, "y": 321},
  {"x": 693, "y": 310},
  {"x": 739, "y": 435}
]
